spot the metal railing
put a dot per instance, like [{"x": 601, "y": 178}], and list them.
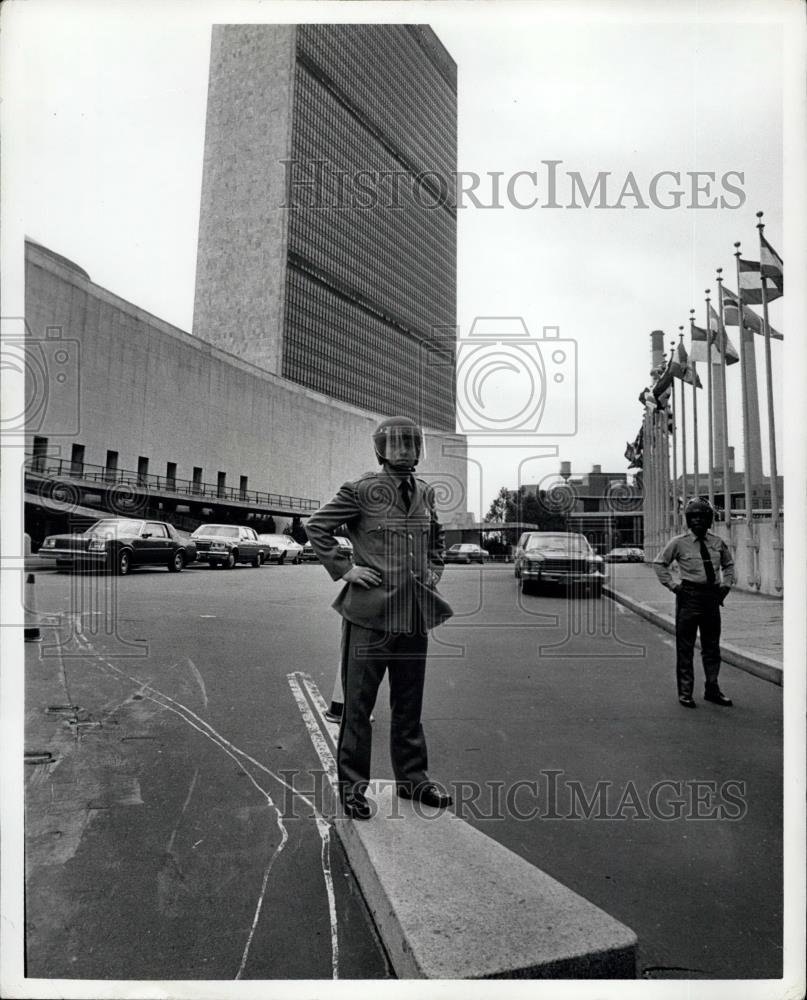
[{"x": 98, "y": 475}]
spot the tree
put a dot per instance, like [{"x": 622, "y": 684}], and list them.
[{"x": 499, "y": 506}]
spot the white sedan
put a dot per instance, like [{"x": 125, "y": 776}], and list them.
[{"x": 281, "y": 549}]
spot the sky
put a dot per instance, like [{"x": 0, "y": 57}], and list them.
[{"x": 110, "y": 126}]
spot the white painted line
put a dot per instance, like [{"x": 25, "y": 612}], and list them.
[
  {"x": 199, "y": 680},
  {"x": 182, "y": 811},
  {"x": 317, "y": 736}
]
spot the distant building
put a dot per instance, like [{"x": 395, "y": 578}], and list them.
[{"x": 606, "y": 507}]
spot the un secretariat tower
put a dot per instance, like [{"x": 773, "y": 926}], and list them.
[{"x": 327, "y": 242}]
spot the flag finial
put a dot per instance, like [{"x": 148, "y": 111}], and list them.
[
  {"x": 760, "y": 224},
  {"x": 720, "y": 274},
  {"x": 737, "y": 249}
]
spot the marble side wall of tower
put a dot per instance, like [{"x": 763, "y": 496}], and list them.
[{"x": 241, "y": 260}]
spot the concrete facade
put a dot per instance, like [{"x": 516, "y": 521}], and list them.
[
  {"x": 243, "y": 226},
  {"x": 146, "y": 389}
]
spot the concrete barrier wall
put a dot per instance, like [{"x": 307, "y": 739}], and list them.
[
  {"x": 757, "y": 551},
  {"x": 145, "y": 388}
]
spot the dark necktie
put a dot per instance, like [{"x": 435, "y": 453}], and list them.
[
  {"x": 707, "y": 562},
  {"x": 406, "y": 491}
]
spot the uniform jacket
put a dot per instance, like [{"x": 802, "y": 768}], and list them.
[{"x": 404, "y": 546}]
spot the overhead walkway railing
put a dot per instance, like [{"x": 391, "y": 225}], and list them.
[{"x": 43, "y": 468}]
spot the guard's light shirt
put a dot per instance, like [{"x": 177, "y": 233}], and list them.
[{"x": 685, "y": 550}]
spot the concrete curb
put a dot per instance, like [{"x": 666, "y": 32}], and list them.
[
  {"x": 759, "y": 666},
  {"x": 449, "y": 902}
]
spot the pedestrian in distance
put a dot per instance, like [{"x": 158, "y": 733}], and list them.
[
  {"x": 706, "y": 571},
  {"x": 388, "y": 605}
]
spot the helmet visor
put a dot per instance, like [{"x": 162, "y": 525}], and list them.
[{"x": 400, "y": 444}]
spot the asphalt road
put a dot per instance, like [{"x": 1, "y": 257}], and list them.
[{"x": 167, "y": 841}]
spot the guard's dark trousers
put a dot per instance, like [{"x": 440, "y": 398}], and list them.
[
  {"x": 366, "y": 655},
  {"x": 697, "y": 606}
]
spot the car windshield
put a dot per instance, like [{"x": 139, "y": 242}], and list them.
[
  {"x": 462, "y": 548},
  {"x": 273, "y": 539},
  {"x": 116, "y": 524},
  {"x": 216, "y": 531},
  {"x": 558, "y": 543}
]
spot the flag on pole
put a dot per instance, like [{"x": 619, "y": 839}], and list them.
[
  {"x": 663, "y": 384},
  {"x": 680, "y": 365},
  {"x": 772, "y": 266},
  {"x": 731, "y": 316},
  {"x": 721, "y": 341},
  {"x": 697, "y": 348},
  {"x": 751, "y": 283}
]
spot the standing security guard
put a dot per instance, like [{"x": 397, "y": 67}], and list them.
[
  {"x": 706, "y": 569},
  {"x": 388, "y": 605}
]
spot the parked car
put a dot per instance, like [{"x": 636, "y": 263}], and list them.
[
  {"x": 344, "y": 548},
  {"x": 559, "y": 558},
  {"x": 466, "y": 552},
  {"x": 117, "y": 544},
  {"x": 625, "y": 554},
  {"x": 281, "y": 549},
  {"x": 228, "y": 544}
]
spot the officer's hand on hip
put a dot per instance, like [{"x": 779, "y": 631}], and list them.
[
  {"x": 364, "y": 576},
  {"x": 724, "y": 593}
]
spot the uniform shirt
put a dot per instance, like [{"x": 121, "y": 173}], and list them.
[{"x": 685, "y": 550}]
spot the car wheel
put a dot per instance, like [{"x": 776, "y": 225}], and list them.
[
  {"x": 256, "y": 561},
  {"x": 298, "y": 559},
  {"x": 177, "y": 563},
  {"x": 212, "y": 563},
  {"x": 229, "y": 562},
  {"x": 123, "y": 562},
  {"x": 281, "y": 558},
  {"x": 596, "y": 590},
  {"x": 526, "y": 586}
]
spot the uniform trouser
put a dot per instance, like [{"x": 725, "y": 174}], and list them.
[
  {"x": 697, "y": 608},
  {"x": 366, "y": 655}
]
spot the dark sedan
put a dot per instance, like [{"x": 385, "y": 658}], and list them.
[{"x": 117, "y": 544}]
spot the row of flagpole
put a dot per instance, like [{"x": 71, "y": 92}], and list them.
[{"x": 758, "y": 283}]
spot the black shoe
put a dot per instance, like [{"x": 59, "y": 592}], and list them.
[
  {"x": 332, "y": 716},
  {"x": 357, "y": 807},
  {"x": 716, "y": 696},
  {"x": 686, "y": 701},
  {"x": 427, "y": 793}
]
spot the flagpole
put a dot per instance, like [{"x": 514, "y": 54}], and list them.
[
  {"x": 769, "y": 383},
  {"x": 725, "y": 421},
  {"x": 676, "y": 512},
  {"x": 683, "y": 431},
  {"x": 746, "y": 418},
  {"x": 709, "y": 420},
  {"x": 696, "y": 470}
]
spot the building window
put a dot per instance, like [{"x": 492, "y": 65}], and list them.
[
  {"x": 197, "y": 479},
  {"x": 242, "y": 487},
  {"x": 77, "y": 460},
  {"x": 221, "y": 483},
  {"x": 40, "y": 454},
  {"x": 111, "y": 466},
  {"x": 142, "y": 470},
  {"x": 171, "y": 475}
]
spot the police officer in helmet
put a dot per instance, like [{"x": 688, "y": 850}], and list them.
[
  {"x": 388, "y": 604},
  {"x": 706, "y": 575}
]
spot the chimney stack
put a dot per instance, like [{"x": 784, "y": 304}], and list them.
[{"x": 657, "y": 351}]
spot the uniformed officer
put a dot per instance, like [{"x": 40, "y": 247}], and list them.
[
  {"x": 706, "y": 571},
  {"x": 388, "y": 605}
]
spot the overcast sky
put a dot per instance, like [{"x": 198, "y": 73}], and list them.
[{"x": 113, "y": 107}]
